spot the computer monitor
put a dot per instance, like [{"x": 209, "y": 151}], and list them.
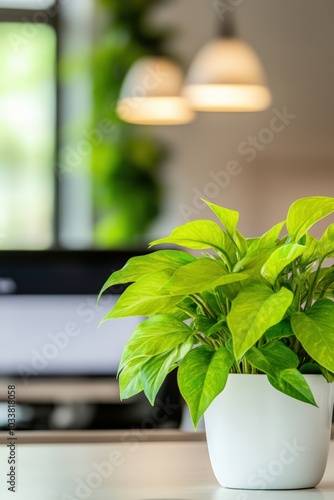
[
  {"x": 59, "y": 335},
  {"x": 49, "y": 317},
  {"x": 64, "y": 365}
]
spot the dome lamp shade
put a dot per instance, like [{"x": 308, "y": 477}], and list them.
[
  {"x": 227, "y": 75},
  {"x": 151, "y": 94}
]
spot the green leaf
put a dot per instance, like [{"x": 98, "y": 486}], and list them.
[
  {"x": 324, "y": 282},
  {"x": 136, "y": 267},
  {"x": 203, "y": 324},
  {"x": 305, "y": 212},
  {"x": 200, "y": 275},
  {"x": 155, "y": 369},
  {"x": 326, "y": 244},
  {"x": 292, "y": 383},
  {"x": 252, "y": 244},
  {"x": 269, "y": 239},
  {"x": 252, "y": 263},
  {"x": 300, "y": 283},
  {"x": 280, "y": 364},
  {"x": 183, "y": 310},
  {"x": 280, "y": 330},
  {"x": 280, "y": 356},
  {"x": 217, "y": 327},
  {"x": 315, "y": 330},
  {"x": 310, "y": 368},
  {"x": 202, "y": 375},
  {"x": 272, "y": 358},
  {"x": 155, "y": 335},
  {"x": 231, "y": 290},
  {"x": 209, "y": 326},
  {"x": 311, "y": 252},
  {"x": 211, "y": 299},
  {"x": 241, "y": 243},
  {"x": 255, "y": 309},
  {"x": 279, "y": 259},
  {"x": 329, "y": 376},
  {"x": 229, "y": 218},
  {"x": 145, "y": 297},
  {"x": 197, "y": 235},
  {"x": 130, "y": 378},
  {"x": 229, "y": 345}
]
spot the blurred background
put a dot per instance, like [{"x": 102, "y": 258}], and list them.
[{"x": 75, "y": 178}]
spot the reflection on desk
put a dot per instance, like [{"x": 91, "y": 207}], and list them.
[{"x": 131, "y": 466}]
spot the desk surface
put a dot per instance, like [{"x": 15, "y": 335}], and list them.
[{"x": 133, "y": 468}]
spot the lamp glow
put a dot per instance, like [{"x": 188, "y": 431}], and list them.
[
  {"x": 151, "y": 94},
  {"x": 227, "y": 75}
]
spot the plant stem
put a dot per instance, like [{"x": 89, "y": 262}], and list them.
[
  {"x": 296, "y": 346},
  {"x": 247, "y": 368},
  {"x": 324, "y": 290},
  {"x": 204, "y": 340},
  {"x": 237, "y": 367},
  {"x": 222, "y": 301},
  {"x": 225, "y": 258},
  {"x": 203, "y": 305},
  {"x": 315, "y": 281},
  {"x": 186, "y": 311}
]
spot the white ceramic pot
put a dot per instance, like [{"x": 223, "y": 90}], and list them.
[{"x": 259, "y": 438}]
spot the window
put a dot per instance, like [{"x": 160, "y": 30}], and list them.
[
  {"x": 45, "y": 199},
  {"x": 27, "y": 131}
]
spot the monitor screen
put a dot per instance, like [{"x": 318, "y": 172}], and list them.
[
  {"x": 59, "y": 335},
  {"x": 49, "y": 318}
]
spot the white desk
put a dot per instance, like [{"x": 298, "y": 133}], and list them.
[{"x": 140, "y": 469}]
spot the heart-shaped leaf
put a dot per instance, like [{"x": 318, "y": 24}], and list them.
[
  {"x": 139, "y": 266},
  {"x": 272, "y": 358},
  {"x": 198, "y": 235},
  {"x": 229, "y": 218},
  {"x": 269, "y": 239},
  {"x": 279, "y": 259},
  {"x": 155, "y": 335},
  {"x": 156, "y": 368},
  {"x": 311, "y": 252},
  {"x": 145, "y": 297},
  {"x": 280, "y": 330},
  {"x": 130, "y": 382},
  {"x": 315, "y": 330},
  {"x": 255, "y": 309},
  {"x": 326, "y": 244},
  {"x": 280, "y": 364},
  {"x": 209, "y": 326},
  {"x": 292, "y": 383},
  {"x": 200, "y": 275},
  {"x": 202, "y": 375},
  {"x": 305, "y": 212}
]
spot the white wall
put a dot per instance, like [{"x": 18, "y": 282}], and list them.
[{"x": 295, "y": 41}]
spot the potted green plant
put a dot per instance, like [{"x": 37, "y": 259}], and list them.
[{"x": 249, "y": 325}]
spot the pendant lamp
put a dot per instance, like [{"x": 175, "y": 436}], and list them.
[
  {"x": 151, "y": 94},
  {"x": 227, "y": 75}
]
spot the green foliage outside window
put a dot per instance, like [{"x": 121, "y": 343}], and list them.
[
  {"x": 27, "y": 136},
  {"x": 125, "y": 164}
]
